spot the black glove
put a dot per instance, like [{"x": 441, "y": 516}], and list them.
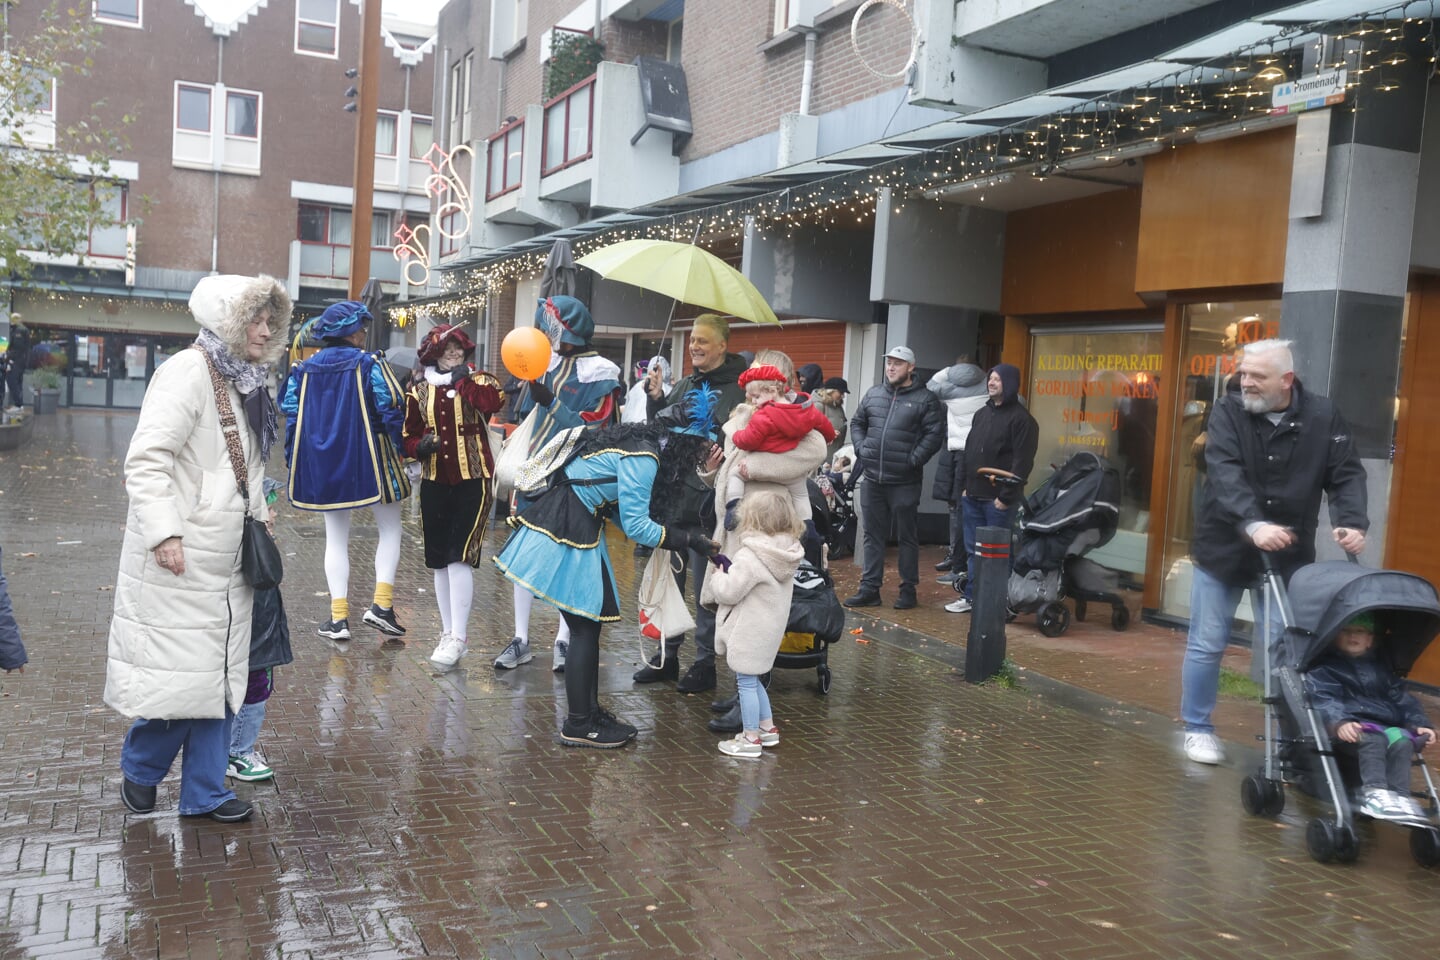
[
  {"x": 543, "y": 395},
  {"x": 428, "y": 445},
  {"x": 682, "y": 540}
]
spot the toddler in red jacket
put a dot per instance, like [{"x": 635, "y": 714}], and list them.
[{"x": 776, "y": 425}]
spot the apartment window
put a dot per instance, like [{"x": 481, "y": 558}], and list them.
[
  {"x": 108, "y": 239},
  {"x": 569, "y": 127},
  {"x": 37, "y": 94},
  {"x": 672, "y": 45},
  {"x": 507, "y": 150},
  {"x": 452, "y": 226},
  {"x": 192, "y": 109},
  {"x": 124, "y": 12},
  {"x": 422, "y": 136},
  {"x": 460, "y": 75},
  {"x": 314, "y": 224},
  {"x": 317, "y": 27},
  {"x": 380, "y": 230},
  {"x": 242, "y": 115},
  {"x": 386, "y": 125}
]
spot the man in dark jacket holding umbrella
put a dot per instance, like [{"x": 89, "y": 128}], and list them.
[
  {"x": 1003, "y": 436},
  {"x": 898, "y": 426},
  {"x": 1270, "y": 453}
]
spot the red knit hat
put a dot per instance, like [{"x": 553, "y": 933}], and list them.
[
  {"x": 763, "y": 372},
  {"x": 432, "y": 348}
]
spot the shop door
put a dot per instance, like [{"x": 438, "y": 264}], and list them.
[
  {"x": 109, "y": 370},
  {"x": 1414, "y": 527},
  {"x": 1097, "y": 390},
  {"x": 1211, "y": 335}
]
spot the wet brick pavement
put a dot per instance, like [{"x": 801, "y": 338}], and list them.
[{"x": 422, "y": 814}]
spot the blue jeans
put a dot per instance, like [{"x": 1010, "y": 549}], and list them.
[
  {"x": 754, "y": 701},
  {"x": 150, "y": 748},
  {"x": 980, "y": 512},
  {"x": 246, "y": 728},
  {"x": 1212, "y": 610}
]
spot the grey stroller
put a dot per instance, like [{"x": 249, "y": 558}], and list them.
[{"x": 1322, "y": 598}]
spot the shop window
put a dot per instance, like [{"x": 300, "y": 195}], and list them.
[
  {"x": 1212, "y": 335},
  {"x": 1097, "y": 390},
  {"x": 317, "y": 27},
  {"x": 125, "y": 13}
]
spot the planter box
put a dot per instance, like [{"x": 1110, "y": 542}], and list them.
[
  {"x": 46, "y": 401},
  {"x": 16, "y": 431}
]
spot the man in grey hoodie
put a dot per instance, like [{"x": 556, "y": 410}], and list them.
[{"x": 962, "y": 389}]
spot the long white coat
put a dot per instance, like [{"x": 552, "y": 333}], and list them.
[
  {"x": 180, "y": 646},
  {"x": 759, "y": 584}
]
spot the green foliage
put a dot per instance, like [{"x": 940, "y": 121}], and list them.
[
  {"x": 573, "y": 57},
  {"x": 52, "y": 197},
  {"x": 1236, "y": 684},
  {"x": 46, "y": 378},
  {"x": 1008, "y": 676}
]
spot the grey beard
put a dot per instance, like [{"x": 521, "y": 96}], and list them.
[{"x": 1256, "y": 405}]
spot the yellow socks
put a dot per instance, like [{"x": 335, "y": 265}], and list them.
[
  {"x": 339, "y": 608},
  {"x": 384, "y": 595}
]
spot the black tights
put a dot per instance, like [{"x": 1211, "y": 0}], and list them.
[{"x": 582, "y": 667}]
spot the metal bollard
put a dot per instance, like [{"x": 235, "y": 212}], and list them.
[{"x": 985, "y": 645}]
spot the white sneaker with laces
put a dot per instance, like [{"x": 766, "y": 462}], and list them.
[
  {"x": 741, "y": 746},
  {"x": 958, "y": 606},
  {"x": 449, "y": 651},
  {"x": 516, "y": 652},
  {"x": 1204, "y": 748},
  {"x": 1384, "y": 805}
]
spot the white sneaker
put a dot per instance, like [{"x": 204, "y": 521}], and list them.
[
  {"x": 742, "y": 747},
  {"x": 449, "y": 651},
  {"x": 1204, "y": 748},
  {"x": 562, "y": 650},
  {"x": 958, "y": 606},
  {"x": 516, "y": 652}
]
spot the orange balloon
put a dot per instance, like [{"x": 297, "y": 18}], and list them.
[{"x": 525, "y": 351}]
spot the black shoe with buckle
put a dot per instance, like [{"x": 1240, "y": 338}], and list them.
[
  {"x": 594, "y": 732},
  {"x": 653, "y": 672},
  {"x": 383, "y": 619},
  {"x": 137, "y": 797},
  {"x": 699, "y": 678}
]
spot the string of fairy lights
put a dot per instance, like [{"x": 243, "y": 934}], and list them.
[{"x": 1230, "y": 91}]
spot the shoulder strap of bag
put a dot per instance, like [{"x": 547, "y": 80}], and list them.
[{"x": 230, "y": 429}]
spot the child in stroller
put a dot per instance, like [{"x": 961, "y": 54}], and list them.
[
  {"x": 1351, "y": 634},
  {"x": 1377, "y": 723}
]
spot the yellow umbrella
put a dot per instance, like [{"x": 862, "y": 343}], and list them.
[{"x": 683, "y": 272}]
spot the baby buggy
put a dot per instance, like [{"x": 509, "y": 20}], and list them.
[
  {"x": 1322, "y": 598},
  {"x": 816, "y": 620},
  {"x": 1070, "y": 514}
]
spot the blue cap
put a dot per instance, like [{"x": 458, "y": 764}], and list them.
[{"x": 340, "y": 320}]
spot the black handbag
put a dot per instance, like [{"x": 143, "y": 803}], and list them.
[{"x": 260, "y": 562}]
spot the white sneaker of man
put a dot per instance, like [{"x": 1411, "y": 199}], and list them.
[
  {"x": 958, "y": 606},
  {"x": 1204, "y": 748},
  {"x": 449, "y": 651}
]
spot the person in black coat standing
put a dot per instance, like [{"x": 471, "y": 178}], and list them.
[
  {"x": 898, "y": 426},
  {"x": 1002, "y": 436},
  {"x": 1270, "y": 452}
]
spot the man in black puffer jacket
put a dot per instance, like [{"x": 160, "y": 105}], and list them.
[
  {"x": 1003, "y": 436},
  {"x": 898, "y": 426}
]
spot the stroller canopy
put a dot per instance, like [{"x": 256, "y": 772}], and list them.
[
  {"x": 1326, "y": 596},
  {"x": 1082, "y": 495}
]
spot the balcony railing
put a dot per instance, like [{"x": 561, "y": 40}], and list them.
[
  {"x": 569, "y": 128},
  {"x": 331, "y": 261},
  {"x": 507, "y": 154}
]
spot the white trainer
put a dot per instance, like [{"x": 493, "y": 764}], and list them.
[
  {"x": 1204, "y": 748},
  {"x": 958, "y": 606},
  {"x": 449, "y": 651}
]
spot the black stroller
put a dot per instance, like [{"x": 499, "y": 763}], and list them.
[
  {"x": 816, "y": 620},
  {"x": 1321, "y": 599},
  {"x": 1070, "y": 514}
]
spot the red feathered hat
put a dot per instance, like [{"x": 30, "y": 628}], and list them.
[
  {"x": 763, "y": 372},
  {"x": 433, "y": 346}
]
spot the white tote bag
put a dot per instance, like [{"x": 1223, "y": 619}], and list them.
[
  {"x": 513, "y": 454},
  {"x": 663, "y": 611}
]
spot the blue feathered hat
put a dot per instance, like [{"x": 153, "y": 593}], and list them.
[
  {"x": 571, "y": 316},
  {"x": 694, "y": 413},
  {"x": 340, "y": 320}
]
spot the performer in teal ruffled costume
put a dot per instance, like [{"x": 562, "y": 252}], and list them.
[
  {"x": 580, "y": 388},
  {"x": 557, "y": 552},
  {"x": 346, "y": 412}
]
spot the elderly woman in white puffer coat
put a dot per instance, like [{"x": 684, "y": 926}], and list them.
[{"x": 179, "y": 646}]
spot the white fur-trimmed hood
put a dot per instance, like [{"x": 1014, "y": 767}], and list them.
[{"x": 225, "y": 305}]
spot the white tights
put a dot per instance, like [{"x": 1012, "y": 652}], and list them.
[
  {"x": 337, "y": 547},
  {"x": 524, "y": 600},
  {"x": 454, "y": 590}
]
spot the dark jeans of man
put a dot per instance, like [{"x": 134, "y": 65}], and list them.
[
  {"x": 958, "y": 553},
  {"x": 981, "y": 512},
  {"x": 15, "y": 381},
  {"x": 695, "y": 565},
  {"x": 881, "y": 505}
]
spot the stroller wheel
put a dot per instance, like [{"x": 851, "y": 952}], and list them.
[
  {"x": 1320, "y": 840},
  {"x": 958, "y": 582},
  {"x": 1425, "y": 846},
  {"x": 1054, "y": 619},
  {"x": 1261, "y": 797},
  {"x": 822, "y": 672},
  {"x": 1347, "y": 845},
  {"x": 1080, "y": 609},
  {"x": 1120, "y": 618}
]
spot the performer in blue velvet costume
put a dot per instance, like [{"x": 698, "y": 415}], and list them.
[{"x": 345, "y": 413}]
